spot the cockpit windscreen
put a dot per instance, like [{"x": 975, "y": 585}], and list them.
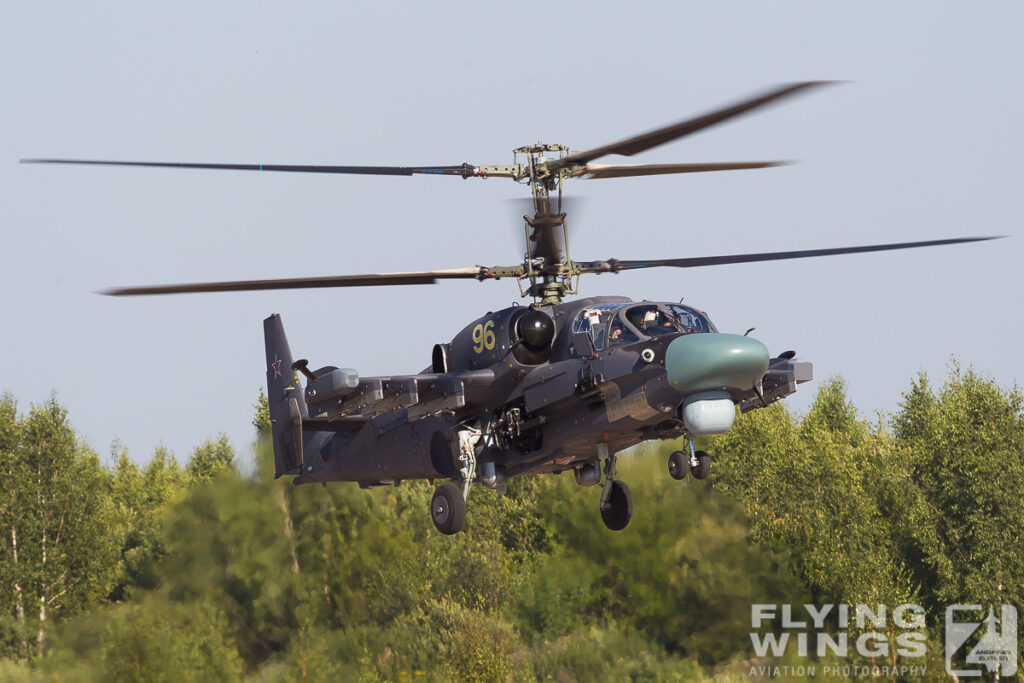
[
  {"x": 690, "y": 320},
  {"x": 606, "y": 328}
]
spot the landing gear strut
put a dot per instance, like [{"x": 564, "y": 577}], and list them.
[
  {"x": 468, "y": 439},
  {"x": 448, "y": 505},
  {"x": 616, "y": 500}
]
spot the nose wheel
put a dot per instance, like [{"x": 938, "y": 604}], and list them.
[
  {"x": 678, "y": 465},
  {"x": 698, "y": 463}
]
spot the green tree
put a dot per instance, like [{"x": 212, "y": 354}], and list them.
[
  {"x": 261, "y": 416},
  {"x": 61, "y": 558},
  {"x": 225, "y": 549},
  {"x": 812, "y": 486},
  {"x": 151, "y": 639},
  {"x": 965, "y": 453},
  {"x": 209, "y": 458},
  {"x": 683, "y": 573},
  {"x": 830, "y": 490},
  {"x": 141, "y": 497},
  {"x": 13, "y": 573},
  {"x": 223, "y": 574}
]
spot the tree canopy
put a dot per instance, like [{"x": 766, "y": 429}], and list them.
[{"x": 158, "y": 570}]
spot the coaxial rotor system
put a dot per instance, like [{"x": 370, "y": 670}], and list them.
[{"x": 551, "y": 273}]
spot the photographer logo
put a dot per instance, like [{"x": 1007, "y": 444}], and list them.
[{"x": 995, "y": 650}]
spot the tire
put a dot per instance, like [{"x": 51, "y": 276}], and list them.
[
  {"x": 619, "y": 510},
  {"x": 678, "y": 465},
  {"x": 703, "y": 466},
  {"x": 448, "y": 509}
]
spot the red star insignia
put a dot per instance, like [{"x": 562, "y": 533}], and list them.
[{"x": 277, "y": 366}]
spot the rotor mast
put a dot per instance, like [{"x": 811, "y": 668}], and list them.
[{"x": 546, "y": 262}]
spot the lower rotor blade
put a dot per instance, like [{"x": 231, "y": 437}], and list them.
[
  {"x": 626, "y": 170},
  {"x": 783, "y": 255},
  {"x": 462, "y": 170},
  {"x": 426, "y": 277}
]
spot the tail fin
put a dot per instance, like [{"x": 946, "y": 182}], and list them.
[{"x": 286, "y": 402}]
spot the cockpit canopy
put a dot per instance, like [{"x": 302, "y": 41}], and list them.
[{"x": 612, "y": 324}]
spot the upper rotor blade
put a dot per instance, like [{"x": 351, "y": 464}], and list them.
[
  {"x": 639, "y": 143},
  {"x": 462, "y": 170},
  {"x": 425, "y": 277},
  {"x": 782, "y": 255},
  {"x": 625, "y": 170}
]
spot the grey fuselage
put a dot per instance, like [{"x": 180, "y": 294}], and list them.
[{"x": 602, "y": 385}]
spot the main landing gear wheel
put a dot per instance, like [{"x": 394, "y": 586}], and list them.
[
  {"x": 448, "y": 509},
  {"x": 700, "y": 464},
  {"x": 616, "y": 512},
  {"x": 678, "y": 465}
]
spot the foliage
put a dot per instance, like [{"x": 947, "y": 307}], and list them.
[
  {"x": 964, "y": 449},
  {"x": 140, "y": 495},
  {"x": 812, "y": 486},
  {"x": 205, "y": 572},
  {"x": 59, "y": 559},
  {"x": 930, "y": 513},
  {"x": 209, "y": 458},
  {"x": 151, "y": 639}
]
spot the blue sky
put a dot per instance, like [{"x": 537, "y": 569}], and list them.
[{"x": 923, "y": 141}]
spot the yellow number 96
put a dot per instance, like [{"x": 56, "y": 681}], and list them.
[{"x": 483, "y": 336}]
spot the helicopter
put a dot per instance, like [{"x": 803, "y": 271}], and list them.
[{"x": 547, "y": 387}]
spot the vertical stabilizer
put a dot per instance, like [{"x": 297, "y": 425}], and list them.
[{"x": 286, "y": 402}]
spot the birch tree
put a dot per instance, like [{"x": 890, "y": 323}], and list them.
[
  {"x": 12, "y": 574},
  {"x": 964, "y": 446},
  {"x": 60, "y": 558}
]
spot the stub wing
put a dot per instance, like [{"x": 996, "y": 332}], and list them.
[{"x": 419, "y": 395}]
